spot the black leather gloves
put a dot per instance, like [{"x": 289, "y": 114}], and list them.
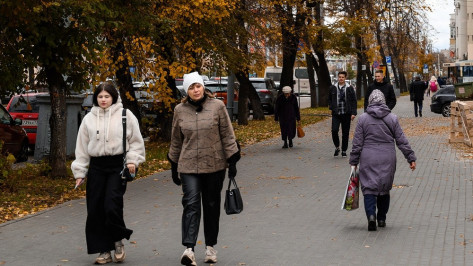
[
  {"x": 232, "y": 170},
  {"x": 175, "y": 174}
]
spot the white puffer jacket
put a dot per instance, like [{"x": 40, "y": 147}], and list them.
[{"x": 101, "y": 134}]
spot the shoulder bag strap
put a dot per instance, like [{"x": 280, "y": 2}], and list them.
[
  {"x": 124, "y": 135},
  {"x": 232, "y": 181},
  {"x": 390, "y": 130}
]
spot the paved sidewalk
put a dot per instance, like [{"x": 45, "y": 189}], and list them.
[{"x": 292, "y": 211}]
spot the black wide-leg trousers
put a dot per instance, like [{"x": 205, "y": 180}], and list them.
[
  {"x": 105, "y": 190},
  {"x": 205, "y": 188}
]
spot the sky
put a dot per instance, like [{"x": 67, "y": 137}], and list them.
[{"x": 439, "y": 19}]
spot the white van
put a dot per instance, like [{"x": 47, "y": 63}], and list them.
[
  {"x": 273, "y": 73},
  {"x": 301, "y": 80},
  {"x": 300, "y": 76}
]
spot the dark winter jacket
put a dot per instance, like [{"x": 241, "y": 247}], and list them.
[
  {"x": 388, "y": 91},
  {"x": 287, "y": 112},
  {"x": 417, "y": 89},
  {"x": 350, "y": 95},
  {"x": 375, "y": 151}
]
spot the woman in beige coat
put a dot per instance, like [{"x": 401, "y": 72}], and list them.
[{"x": 202, "y": 146}]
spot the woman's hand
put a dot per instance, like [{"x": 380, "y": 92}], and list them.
[
  {"x": 412, "y": 166},
  {"x": 79, "y": 181},
  {"x": 131, "y": 168}
]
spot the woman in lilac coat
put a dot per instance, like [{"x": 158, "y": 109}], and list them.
[{"x": 374, "y": 147}]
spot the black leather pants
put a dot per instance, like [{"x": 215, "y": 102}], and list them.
[{"x": 206, "y": 188}]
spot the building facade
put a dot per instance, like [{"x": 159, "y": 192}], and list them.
[{"x": 461, "y": 31}]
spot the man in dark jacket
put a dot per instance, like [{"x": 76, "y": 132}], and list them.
[
  {"x": 386, "y": 88},
  {"x": 342, "y": 102},
  {"x": 416, "y": 91}
]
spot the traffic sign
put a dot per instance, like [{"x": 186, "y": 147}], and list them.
[
  {"x": 388, "y": 60},
  {"x": 375, "y": 64},
  {"x": 426, "y": 66}
]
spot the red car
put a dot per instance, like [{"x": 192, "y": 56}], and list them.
[
  {"x": 13, "y": 136},
  {"x": 25, "y": 107},
  {"x": 219, "y": 90}
]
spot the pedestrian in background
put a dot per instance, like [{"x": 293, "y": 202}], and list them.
[
  {"x": 374, "y": 148},
  {"x": 203, "y": 144},
  {"x": 342, "y": 102},
  {"x": 382, "y": 85},
  {"x": 416, "y": 91},
  {"x": 433, "y": 85},
  {"x": 287, "y": 113},
  {"x": 99, "y": 158}
]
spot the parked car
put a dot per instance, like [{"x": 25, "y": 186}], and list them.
[
  {"x": 441, "y": 100},
  {"x": 15, "y": 140},
  {"x": 267, "y": 92},
  {"x": 219, "y": 90},
  {"x": 25, "y": 107}
]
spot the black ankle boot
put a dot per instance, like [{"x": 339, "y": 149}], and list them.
[
  {"x": 371, "y": 223},
  {"x": 290, "y": 143},
  {"x": 285, "y": 145}
]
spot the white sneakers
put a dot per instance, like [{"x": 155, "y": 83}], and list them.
[
  {"x": 210, "y": 255},
  {"x": 188, "y": 258},
  {"x": 104, "y": 258},
  {"x": 119, "y": 254}
]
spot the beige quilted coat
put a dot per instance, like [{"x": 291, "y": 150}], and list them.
[{"x": 201, "y": 142}]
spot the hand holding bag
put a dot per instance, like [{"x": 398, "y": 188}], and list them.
[
  {"x": 300, "y": 131},
  {"x": 351, "y": 197},
  {"x": 233, "y": 201},
  {"x": 125, "y": 173}
]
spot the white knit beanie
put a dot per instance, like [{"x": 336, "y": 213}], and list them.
[
  {"x": 286, "y": 89},
  {"x": 190, "y": 79}
]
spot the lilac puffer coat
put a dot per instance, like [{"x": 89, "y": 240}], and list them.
[{"x": 374, "y": 148}]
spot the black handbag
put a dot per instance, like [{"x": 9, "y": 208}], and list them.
[
  {"x": 125, "y": 173},
  {"x": 233, "y": 201}
]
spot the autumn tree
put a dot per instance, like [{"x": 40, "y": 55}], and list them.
[{"x": 59, "y": 38}]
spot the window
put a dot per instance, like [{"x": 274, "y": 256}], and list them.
[
  {"x": 4, "y": 116},
  {"x": 274, "y": 76},
  {"x": 468, "y": 71},
  {"x": 24, "y": 104},
  {"x": 301, "y": 73}
]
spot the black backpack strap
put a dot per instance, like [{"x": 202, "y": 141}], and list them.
[{"x": 124, "y": 135}]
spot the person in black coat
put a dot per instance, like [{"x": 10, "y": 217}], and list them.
[
  {"x": 342, "y": 102},
  {"x": 386, "y": 88},
  {"x": 416, "y": 91},
  {"x": 287, "y": 112}
]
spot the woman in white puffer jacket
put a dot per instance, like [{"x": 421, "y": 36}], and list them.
[{"x": 99, "y": 157}]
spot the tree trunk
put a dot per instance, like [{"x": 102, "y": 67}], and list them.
[
  {"x": 165, "y": 121},
  {"x": 314, "y": 103},
  {"x": 323, "y": 75},
  {"x": 250, "y": 93},
  {"x": 381, "y": 51},
  {"x": 57, "y": 123},
  {"x": 125, "y": 83},
  {"x": 402, "y": 81},
  {"x": 290, "y": 42},
  {"x": 242, "y": 98},
  {"x": 359, "y": 64}
]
